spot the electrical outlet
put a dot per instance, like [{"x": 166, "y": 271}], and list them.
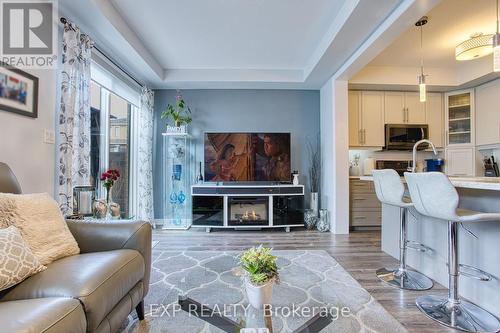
[{"x": 49, "y": 136}]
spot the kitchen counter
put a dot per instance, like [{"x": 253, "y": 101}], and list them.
[
  {"x": 476, "y": 193},
  {"x": 479, "y": 183}
]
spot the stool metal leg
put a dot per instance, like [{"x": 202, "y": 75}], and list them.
[
  {"x": 402, "y": 277},
  {"x": 452, "y": 311}
]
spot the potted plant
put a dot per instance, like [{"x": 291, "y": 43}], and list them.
[
  {"x": 314, "y": 174},
  {"x": 261, "y": 274},
  {"x": 179, "y": 113}
]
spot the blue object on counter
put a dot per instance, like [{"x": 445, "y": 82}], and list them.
[{"x": 434, "y": 165}]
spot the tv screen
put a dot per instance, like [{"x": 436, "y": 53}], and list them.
[{"x": 233, "y": 157}]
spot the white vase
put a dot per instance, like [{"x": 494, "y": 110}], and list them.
[
  {"x": 314, "y": 202},
  {"x": 259, "y": 295}
]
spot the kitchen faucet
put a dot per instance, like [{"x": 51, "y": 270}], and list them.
[{"x": 413, "y": 167}]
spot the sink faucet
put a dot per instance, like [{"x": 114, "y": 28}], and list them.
[{"x": 415, "y": 146}]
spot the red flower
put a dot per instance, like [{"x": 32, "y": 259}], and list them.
[{"x": 102, "y": 178}]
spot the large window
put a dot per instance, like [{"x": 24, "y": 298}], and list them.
[{"x": 111, "y": 142}]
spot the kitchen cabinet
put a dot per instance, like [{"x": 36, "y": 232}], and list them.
[
  {"x": 404, "y": 108},
  {"x": 434, "y": 110},
  {"x": 354, "y": 106},
  {"x": 487, "y": 114},
  {"x": 460, "y": 162},
  {"x": 366, "y": 119},
  {"x": 459, "y": 119},
  {"x": 364, "y": 208}
]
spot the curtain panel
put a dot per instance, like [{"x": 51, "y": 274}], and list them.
[
  {"x": 74, "y": 116},
  {"x": 145, "y": 209}
]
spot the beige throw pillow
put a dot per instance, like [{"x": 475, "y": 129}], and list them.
[
  {"x": 38, "y": 218},
  {"x": 17, "y": 262}
]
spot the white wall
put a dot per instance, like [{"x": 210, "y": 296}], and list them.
[
  {"x": 22, "y": 144},
  {"x": 335, "y": 154}
]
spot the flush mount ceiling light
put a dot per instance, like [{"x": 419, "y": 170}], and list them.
[
  {"x": 421, "y": 78},
  {"x": 477, "y": 46}
]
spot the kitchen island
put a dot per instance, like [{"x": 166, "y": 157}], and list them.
[{"x": 476, "y": 193}]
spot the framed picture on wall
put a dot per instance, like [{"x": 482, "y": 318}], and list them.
[{"x": 18, "y": 91}]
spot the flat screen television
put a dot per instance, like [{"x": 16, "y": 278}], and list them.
[{"x": 243, "y": 157}]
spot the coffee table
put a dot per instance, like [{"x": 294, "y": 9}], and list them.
[{"x": 255, "y": 320}]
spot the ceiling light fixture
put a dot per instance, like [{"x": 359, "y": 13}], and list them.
[
  {"x": 477, "y": 46},
  {"x": 421, "y": 77},
  {"x": 496, "y": 47}
]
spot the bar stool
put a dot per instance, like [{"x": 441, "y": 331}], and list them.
[
  {"x": 390, "y": 191},
  {"x": 435, "y": 196}
]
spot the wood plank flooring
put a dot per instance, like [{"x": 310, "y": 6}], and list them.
[{"x": 359, "y": 253}]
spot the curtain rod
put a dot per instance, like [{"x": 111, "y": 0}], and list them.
[{"x": 65, "y": 21}]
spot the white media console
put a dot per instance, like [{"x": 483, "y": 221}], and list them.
[{"x": 247, "y": 206}]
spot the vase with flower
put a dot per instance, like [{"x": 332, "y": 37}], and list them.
[{"x": 109, "y": 179}]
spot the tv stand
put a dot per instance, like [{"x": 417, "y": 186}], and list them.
[{"x": 248, "y": 206}]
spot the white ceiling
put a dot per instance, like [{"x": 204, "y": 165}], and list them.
[
  {"x": 450, "y": 23},
  {"x": 283, "y": 44},
  {"x": 228, "y": 34}
]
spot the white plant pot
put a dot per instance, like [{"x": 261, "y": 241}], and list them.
[{"x": 259, "y": 295}]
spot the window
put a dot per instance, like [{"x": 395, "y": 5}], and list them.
[{"x": 111, "y": 127}]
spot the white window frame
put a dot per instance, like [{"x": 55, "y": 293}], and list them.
[{"x": 110, "y": 83}]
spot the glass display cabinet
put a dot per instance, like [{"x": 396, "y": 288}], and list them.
[
  {"x": 460, "y": 118},
  {"x": 178, "y": 175}
]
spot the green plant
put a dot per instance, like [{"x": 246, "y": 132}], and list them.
[
  {"x": 260, "y": 265},
  {"x": 180, "y": 113}
]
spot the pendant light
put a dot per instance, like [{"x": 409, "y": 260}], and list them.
[
  {"x": 496, "y": 47},
  {"x": 421, "y": 78}
]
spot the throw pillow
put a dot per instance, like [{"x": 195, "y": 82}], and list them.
[
  {"x": 17, "y": 262},
  {"x": 38, "y": 218}
]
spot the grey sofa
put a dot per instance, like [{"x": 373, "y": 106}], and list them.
[{"x": 91, "y": 292}]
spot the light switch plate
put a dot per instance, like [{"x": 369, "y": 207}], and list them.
[{"x": 49, "y": 136}]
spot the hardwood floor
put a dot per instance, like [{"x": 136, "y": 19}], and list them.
[{"x": 359, "y": 253}]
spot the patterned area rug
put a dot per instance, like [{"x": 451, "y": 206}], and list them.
[{"x": 308, "y": 279}]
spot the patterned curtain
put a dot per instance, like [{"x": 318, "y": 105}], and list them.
[
  {"x": 74, "y": 115},
  {"x": 145, "y": 157}
]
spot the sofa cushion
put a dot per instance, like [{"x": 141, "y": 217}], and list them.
[
  {"x": 17, "y": 262},
  {"x": 39, "y": 219},
  {"x": 42, "y": 315},
  {"x": 99, "y": 280}
]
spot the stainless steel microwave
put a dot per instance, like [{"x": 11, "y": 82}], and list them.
[{"x": 403, "y": 137}]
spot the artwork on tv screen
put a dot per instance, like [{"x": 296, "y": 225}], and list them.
[{"x": 247, "y": 157}]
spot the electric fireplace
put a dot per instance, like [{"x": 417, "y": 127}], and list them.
[{"x": 248, "y": 211}]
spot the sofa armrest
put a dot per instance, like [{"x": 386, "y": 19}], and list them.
[{"x": 97, "y": 237}]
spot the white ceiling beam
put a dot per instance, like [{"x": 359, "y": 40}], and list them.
[{"x": 108, "y": 10}]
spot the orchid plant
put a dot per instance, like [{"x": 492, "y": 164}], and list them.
[{"x": 109, "y": 178}]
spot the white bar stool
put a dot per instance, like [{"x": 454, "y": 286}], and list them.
[
  {"x": 390, "y": 191},
  {"x": 435, "y": 196}
]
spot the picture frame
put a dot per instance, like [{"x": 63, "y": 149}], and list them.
[
  {"x": 18, "y": 91},
  {"x": 83, "y": 200}
]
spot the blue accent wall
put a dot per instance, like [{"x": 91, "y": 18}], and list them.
[{"x": 294, "y": 111}]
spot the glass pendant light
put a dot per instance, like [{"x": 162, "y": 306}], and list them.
[
  {"x": 421, "y": 78},
  {"x": 496, "y": 47}
]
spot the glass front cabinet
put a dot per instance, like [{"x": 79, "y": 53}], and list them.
[
  {"x": 460, "y": 118},
  {"x": 178, "y": 175}
]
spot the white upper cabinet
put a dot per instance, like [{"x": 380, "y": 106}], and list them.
[
  {"x": 354, "y": 106},
  {"x": 459, "y": 118},
  {"x": 404, "y": 108},
  {"x": 488, "y": 114},
  {"x": 395, "y": 111},
  {"x": 372, "y": 118},
  {"x": 366, "y": 119},
  {"x": 434, "y": 110},
  {"x": 460, "y": 162},
  {"x": 415, "y": 110}
]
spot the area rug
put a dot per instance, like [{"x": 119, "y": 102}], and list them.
[{"x": 307, "y": 279}]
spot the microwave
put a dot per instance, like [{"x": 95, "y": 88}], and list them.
[{"x": 403, "y": 137}]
